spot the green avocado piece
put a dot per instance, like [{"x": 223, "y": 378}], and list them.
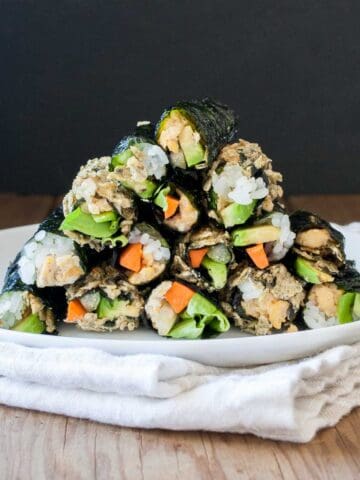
[
  {"x": 345, "y": 307},
  {"x": 112, "y": 309},
  {"x": 160, "y": 199},
  {"x": 30, "y": 324},
  {"x": 216, "y": 270},
  {"x": 243, "y": 237},
  {"x": 105, "y": 217},
  {"x": 120, "y": 159},
  {"x": 236, "y": 214},
  {"x": 308, "y": 272},
  {"x": 219, "y": 253},
  {"x": 82, "y": 222},
  {"x": 144, "y": 190},
  {"x": 194, "y": 153},
  {"x": 356, "y": 309}
]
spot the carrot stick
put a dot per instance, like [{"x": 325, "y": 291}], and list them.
[
  {"x": 197, "y": 255},
  {"x": 258, "y": 255},
  {"x": 179, "y": 296},
  {"x": 131, "y": 257},
  {"x": 172, "y": 206},
  {"x": 75, "y": 312}
]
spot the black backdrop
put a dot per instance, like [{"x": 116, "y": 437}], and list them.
[{"x": 76, "y": 75}]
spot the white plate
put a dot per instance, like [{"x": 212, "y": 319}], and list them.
[{"x": 229, "y": 350}]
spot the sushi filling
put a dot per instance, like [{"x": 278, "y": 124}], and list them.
[
  {"x": 140, "y": 167},
  {"x": 146, "y": 256},
  {"x": 177, "y": 311},
  {"x": 103, "y": 302},
  {"x": 179, "y": 212},
  {"x": 23, "y": 311},
  {"x": 50, "y": 260},
  {"x": 179, "y": 137},
  {"x": 97, "y": 211}
]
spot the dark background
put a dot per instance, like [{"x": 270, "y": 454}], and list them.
[{"x": 76, "y": 75}]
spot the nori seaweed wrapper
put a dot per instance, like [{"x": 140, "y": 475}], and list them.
[
  {"x": 348, "y": 278},
  {"x": 302, "y": 220}
]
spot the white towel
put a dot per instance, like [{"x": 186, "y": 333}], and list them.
[{"x": 288, "y": 401}]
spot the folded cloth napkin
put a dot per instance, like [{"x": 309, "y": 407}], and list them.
[{"x": 288, "y": 401}]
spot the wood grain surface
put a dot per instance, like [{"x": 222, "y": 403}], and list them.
[{"x": 36, "y": 446}]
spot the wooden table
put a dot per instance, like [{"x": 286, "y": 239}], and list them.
[{"x": 42, "y": 446}]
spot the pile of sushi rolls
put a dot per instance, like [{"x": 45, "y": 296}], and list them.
[
  {"x": 271, "y": 233},
  {"x": 99, "y": 212},
  {"x": 241, "y": 183},
  {"x": 177, "y": 310},
  {"x": 176, "y": 208},
  {"x": 103, "y": 301},
  {"x": 139, "y": 164},
  {"x": 193, "y": 132},
  {"x": 27, "y": 308},
  {"x": 263, "y": 301},
  {"x": 204, "y": 257},
  {"x": 146, "y": 256},
  {"x": 49, "y": 258}
]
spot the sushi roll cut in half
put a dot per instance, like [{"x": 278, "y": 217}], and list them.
[
  {"x": 146, "y": 256},
  {"x": 318, "y": 247},
  {"x": 103, "y": 301},
  {"x": 176, "y": 208},
  {"x": 242, "y": 183},
  {"x": 178, "y": 311},
  {"x": 204, "y": 257},
  {"x": 193, "y": 132},
  {"x": 98, "y": 211},
  {"x": 266, "y": 240},
  {"x": 139, "y": 164},
  {"x": 328, "y": 305},
  {"x": 26, "y": 308},
  {"x": 49, "y": 258},
  {"x": 263, "y": 301}
]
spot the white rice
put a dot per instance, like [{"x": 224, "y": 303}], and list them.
[
  {"x": 250, "y": 290},
  {"x": 315, "y": 318},
  {"x": 233, "y": 185},
  {"x": 155, "y": 160},
  {"x": 12, "y": 305},
  {"x": 287, "y": 237},
  {"x": 151, "y": 246},
  {"x": 36, "y": 250}
]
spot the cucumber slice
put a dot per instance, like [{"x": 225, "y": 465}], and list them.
[
  {"x": 82, "y": 222},
  {"x": 308, "y": 272},
  {"x": 105, "y": 217},
  {"x": 236, "y": 214},
  {"x": 217, "y": 272},
  {"x": 345, "y": 307},
  {"x": 120, "y": 159},
  {"x": 356, "y": 309},
  {"x": 30, "y": 324},
  {"x": 112, "y": 309}
]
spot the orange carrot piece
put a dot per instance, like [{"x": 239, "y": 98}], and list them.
[
  {"x": 76, "y": 311},
  {"x": 197, "y": 255},
  {"x": 131, "y": 257},
  {"x": 172, "y": 206},
  {"x": 179, "y": 296},
  {"x": 258, "y": 255}
]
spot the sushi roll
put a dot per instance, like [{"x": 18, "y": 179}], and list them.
[
  {"x": 98, "y": 211},
  {"x": 241, "y": 183},
  {"x": 318, "y": 248},
  {"x": 176, "y": 208},
  {"x": 328, "y": 305},
  {"x": 146, "y": 256},
  {"x": 139, "y": 163},
  {"x": 193, "y": 132},
  {"x": 266, "y": 240},
  {"x": 26, "y": 308},
  {"x": 263, "y": 301},
  {"x": 178, "y": 311},
  {"x": 103, "y": 302},
  {"x": 49, "y": 258},
  {"x": 204, "y": 257}
]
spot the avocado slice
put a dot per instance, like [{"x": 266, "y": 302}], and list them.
[
  {"x": 120, "y": 159},
  {"x": 144, "y": 190},
  {"x": 308, "y": 272},
  {"x": 82, "y": 222},
  {"x": 160, "y": 199},
  {"x": 243, "y": 237},
  {"x": 345, "y": 307},
  {"x": 236, "y": 214},
  {"x": 216, "y": 270},
  {"x": 112, "y": 309},
  {"x": 193, "y": 151},
  {"x": 30, "y": 324},
  {"x": 356, "y": 309}
]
